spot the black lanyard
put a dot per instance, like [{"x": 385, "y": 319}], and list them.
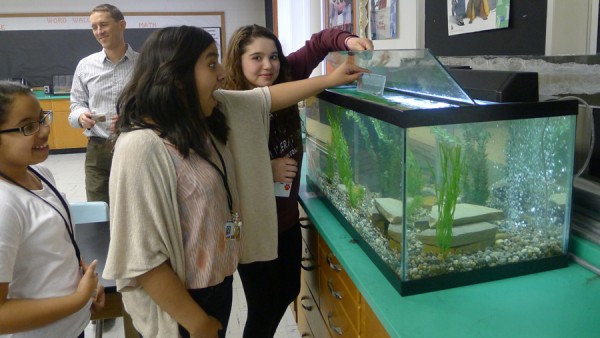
[
  {"x": 223, "y": 175},
  {"x": 68, "y": 225}
]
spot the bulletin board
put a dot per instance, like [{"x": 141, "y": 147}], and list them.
[
  {"x": 525, "y": 35},
  {"x": 37, "y": 46}
]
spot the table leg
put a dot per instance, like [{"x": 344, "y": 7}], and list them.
[{"x": 128, "y": 328}]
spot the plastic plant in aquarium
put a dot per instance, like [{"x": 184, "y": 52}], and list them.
[{"x": 447, "y": 192}]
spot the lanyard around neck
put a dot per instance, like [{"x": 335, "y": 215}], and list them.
[
  {"x": 223, "y": 175},
  {"x": 68, "y": 225}
]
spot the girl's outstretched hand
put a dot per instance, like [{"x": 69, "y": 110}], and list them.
[{"x": 346, "y": 73}]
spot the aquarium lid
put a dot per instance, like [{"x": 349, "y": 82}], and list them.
[{"x": 408, "y": 71}]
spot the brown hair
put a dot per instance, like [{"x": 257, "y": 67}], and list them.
[
  {"x": 114, "y": 12},
  {"x": 238, "y": 42}
]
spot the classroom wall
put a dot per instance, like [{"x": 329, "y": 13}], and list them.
[
  {"x": 237, "y": 13},
  {"x": 572, "y": 27}
]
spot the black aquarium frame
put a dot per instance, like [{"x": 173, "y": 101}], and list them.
[{"x": 435, "y": 117}]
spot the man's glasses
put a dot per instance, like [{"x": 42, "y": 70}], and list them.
[{"x": 33, "y": 127}]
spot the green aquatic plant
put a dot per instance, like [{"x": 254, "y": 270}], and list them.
[
  {"x": 341, "y": 151},
  {"x": 414, "y": 180},
  {"x": 383, "y": 142},
  {"x": 447, "y": 185},
  {"x": 330, "y": 163},
  {"x": 447, "y": 190},
  {"x": 356, "y": 195},
  {"x": 337, "y": 135},
  {"x": 475, "y": 183}
]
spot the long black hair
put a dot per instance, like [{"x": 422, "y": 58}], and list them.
[{"x": 162, "y": 93}]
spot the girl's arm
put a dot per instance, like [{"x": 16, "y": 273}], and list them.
[
  {"x": 18, "y": 315},
  {"x": 288, "y": 93},
  {"x": 304, "y": 60},
  {"x": 165, "y": 288}
]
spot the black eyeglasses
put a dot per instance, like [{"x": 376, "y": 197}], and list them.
[{"x": 33, "y": 127}]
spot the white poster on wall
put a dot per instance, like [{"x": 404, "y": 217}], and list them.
[{"x": 383, "y": 19}]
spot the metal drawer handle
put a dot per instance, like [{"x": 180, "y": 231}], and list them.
[
  {"x": 334, "y": 267},
  {"x": 334, "y": 293},
  {"x": 336, "y": 329},
  {"x": 306, "y": 334},
  {"x": 309, "y": 267},
  {"x": 305, "y": 307},
  {"x": 307, "y": 225}
]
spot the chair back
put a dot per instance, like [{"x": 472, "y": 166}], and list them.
[{"x": 89, "y": 212}]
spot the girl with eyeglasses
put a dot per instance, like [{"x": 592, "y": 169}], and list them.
[{"x": 46, "y": 290}]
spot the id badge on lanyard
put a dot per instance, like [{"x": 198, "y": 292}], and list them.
[{"x": 233, "y": 228}]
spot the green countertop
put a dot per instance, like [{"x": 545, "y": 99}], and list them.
[
  {"x": 558, "y": 303},
  {"x": 41, "y": 96}
]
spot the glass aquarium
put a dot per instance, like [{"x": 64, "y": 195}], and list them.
[{"x": 439, "y": 190}]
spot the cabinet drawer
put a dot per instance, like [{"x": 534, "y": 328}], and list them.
[
  {"x": 303, "y": 326},
  {"x": 309, "y": 271},
  {"x": 309, "y": 233},
  {"x": 61, "y": 105},
  {"x": 66, "y": 136},
  {"x": 46, "y": 104},
  {"x": 370, "y": 326},
  {"x": 308, "y": 308},
  {"x": 336, "y": 299},
  {"x": 335, "y": 314},
  {"x": 328, "y": 262}
]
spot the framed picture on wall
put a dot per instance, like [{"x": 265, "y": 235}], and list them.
[
  {"x": 341, "y": 14},
  {"x": 383, "y": 19},
  {"x": 469, "y": 16}
]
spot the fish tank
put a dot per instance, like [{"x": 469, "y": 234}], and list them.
[{"x": 438, "y": 189}]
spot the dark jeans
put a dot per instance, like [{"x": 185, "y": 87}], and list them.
[
  {"x": 98, "y": 159},
  {"x": 271, "y": 286},
  {"x": 216, "y": 302}
]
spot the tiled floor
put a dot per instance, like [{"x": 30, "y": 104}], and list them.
[{"x": 70, "y": 179}]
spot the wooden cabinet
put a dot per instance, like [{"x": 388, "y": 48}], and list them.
[
  {"x": 62, "y": 135},
  {"x": 47, "y": 105},
  {"x": 329, "y": 304},
  {"x": 371, "y": 326}
]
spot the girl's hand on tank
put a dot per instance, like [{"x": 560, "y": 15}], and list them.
[
  {"x": 284, "y": 169},
  {"x": 357, "y": 44},
  {"x": 346, "y": 73},
  {"x": 89, "y": 281}
]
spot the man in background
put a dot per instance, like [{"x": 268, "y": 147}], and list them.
[{"x": 99, "y": 79}]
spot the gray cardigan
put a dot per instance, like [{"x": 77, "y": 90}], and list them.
[{"x": 137, "y": 195}]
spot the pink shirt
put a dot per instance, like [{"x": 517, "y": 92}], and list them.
[{"x": 204, "y": 211}]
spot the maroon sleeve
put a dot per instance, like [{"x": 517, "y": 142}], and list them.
[{"x": 306, "y": 59}]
